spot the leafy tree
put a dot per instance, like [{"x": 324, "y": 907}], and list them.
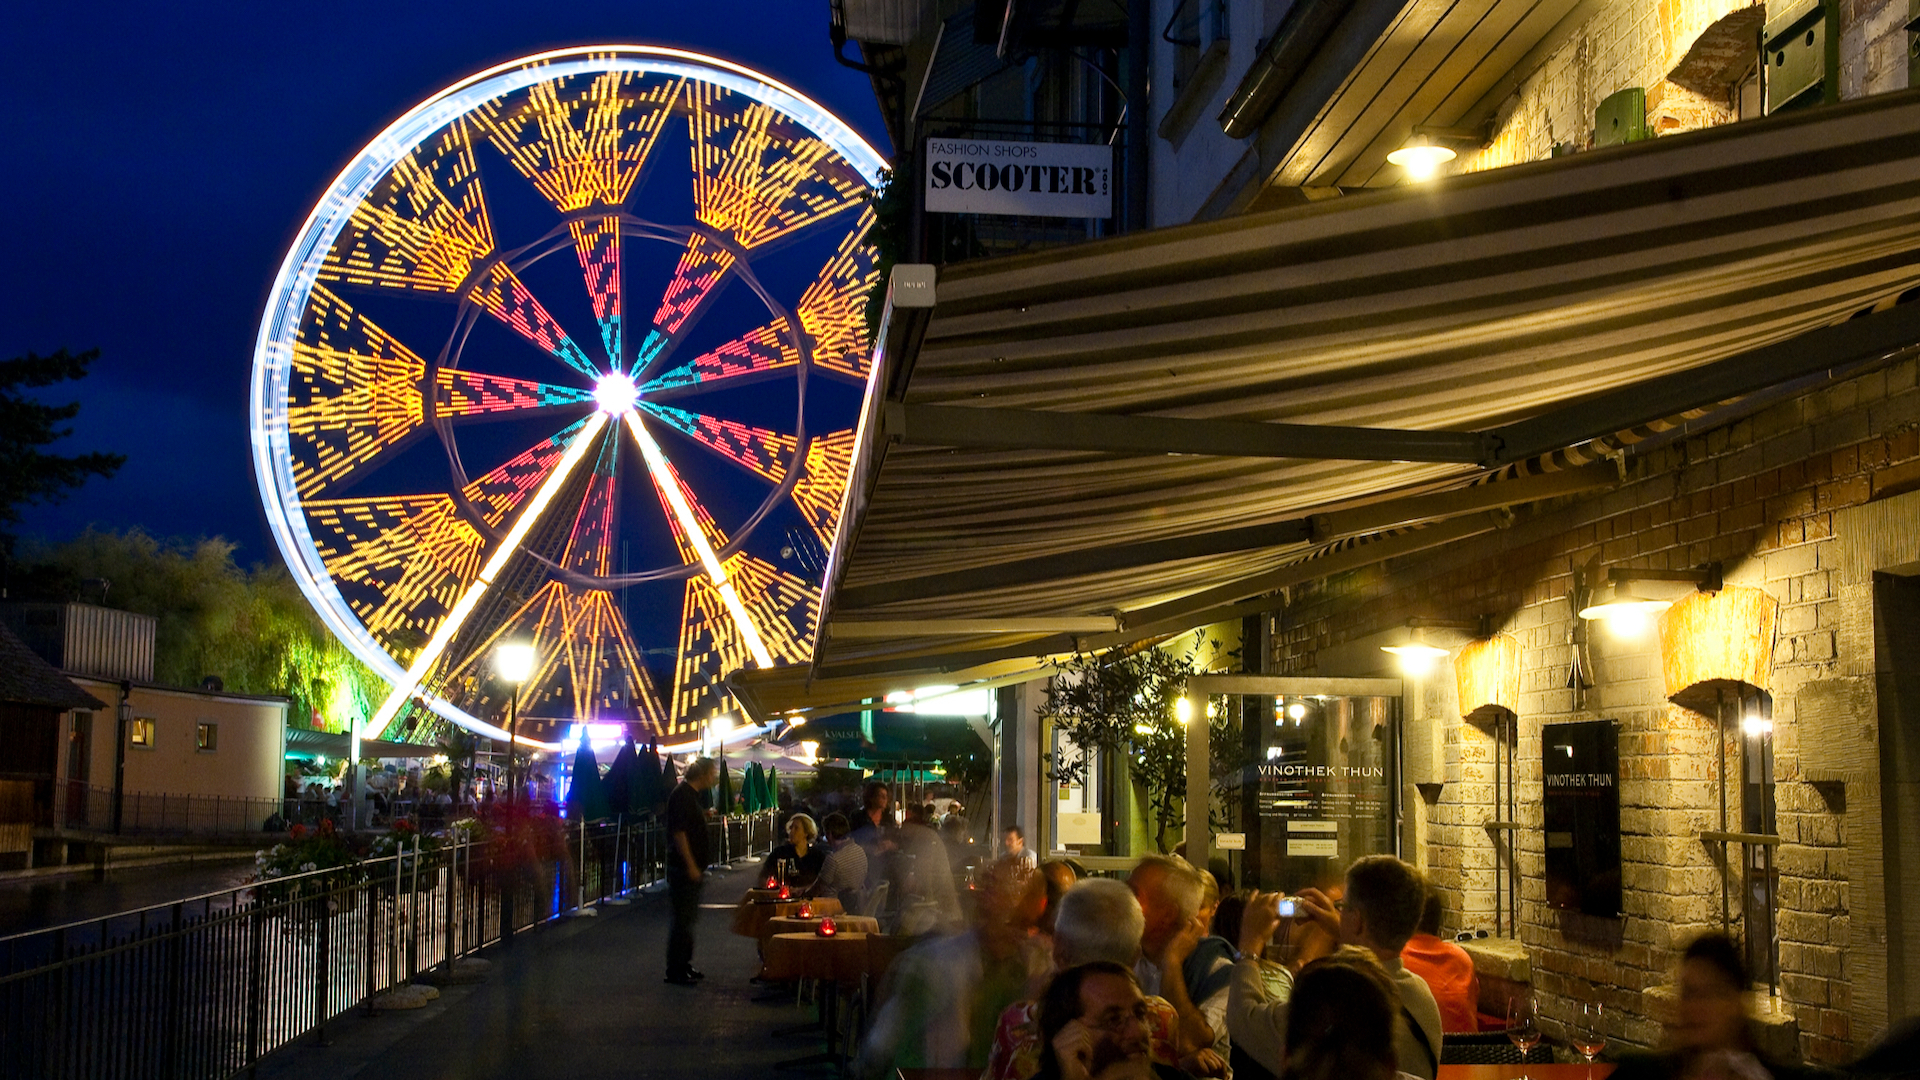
[
  {"x": 28, "y": 474},
  {"x": 1126, "y": 705},
  {"x": 253, "y": 630}
]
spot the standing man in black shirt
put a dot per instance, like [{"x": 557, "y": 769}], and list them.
[{"x": 686, "y": 866}]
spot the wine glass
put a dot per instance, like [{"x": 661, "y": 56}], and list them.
[
  {"x": 1523, "y": 1026},
  {"x": 1589, "y": 1031}
]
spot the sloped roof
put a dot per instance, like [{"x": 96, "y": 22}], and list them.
[{"x": 26, "y": 679}]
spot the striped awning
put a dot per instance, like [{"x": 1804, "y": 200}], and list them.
[{"x": 1098, "y": 443}]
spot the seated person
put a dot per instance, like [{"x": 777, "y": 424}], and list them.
[
  {"x": 1093, "y": 1026},
  {"x": 1345, "y": 1015},
  {"x": 1096, "y": 920},
  {"x": 843, "y": 874},
  {"x": 803, "y": 848},
  {"x": 1447, "y": 969},
  {"x": 1384, "y": 897}
]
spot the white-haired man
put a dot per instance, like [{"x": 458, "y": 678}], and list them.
[{"x": 1099, "y": 920}]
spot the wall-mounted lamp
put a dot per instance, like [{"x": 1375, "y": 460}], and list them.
[
  {"x": 1416, "y": 655},
  {"x": 1628, "y": 611},
  {"x": 1421, "y": 157}
]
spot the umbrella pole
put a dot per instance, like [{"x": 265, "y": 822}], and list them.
[
  {"x": 619, "y": 867},
  {"x": 580, "y": 907}
]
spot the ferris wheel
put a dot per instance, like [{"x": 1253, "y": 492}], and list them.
[{"x": 570, "y": 354}]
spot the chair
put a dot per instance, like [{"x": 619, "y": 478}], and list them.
[
  {"x": 872, "y": 901},
  {"x": 1488, "y": 1048}
]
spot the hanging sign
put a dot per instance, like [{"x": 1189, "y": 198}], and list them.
[{"x": 977, "y": 176}]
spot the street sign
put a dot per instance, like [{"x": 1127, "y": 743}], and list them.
[{"x": 978, "y": 176}]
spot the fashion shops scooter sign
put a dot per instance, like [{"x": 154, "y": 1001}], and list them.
[{"x": 974, "y": 176}]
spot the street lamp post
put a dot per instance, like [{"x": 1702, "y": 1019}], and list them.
[{"x": 513, "y": 663}]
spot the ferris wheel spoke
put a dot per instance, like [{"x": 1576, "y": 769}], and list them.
[
  {"x": 817, "y": 493},
  {"x": 763, "y": 351},
  {"x": 443, "y": 634},
  {"x": 583, "y": 142},
  {"x": 471, "y": 393},
  {"x": 354, "y": 393},
  {"x": 691, "y": 528},
  {"x": 762, "y": 452},
  {"x": 697, "y": 277},
  {"x": 757, "y": 174}
]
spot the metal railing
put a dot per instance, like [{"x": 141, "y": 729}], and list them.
[
  {"x": 89, "y": 808},
  {"x": 206, "y": 987}
]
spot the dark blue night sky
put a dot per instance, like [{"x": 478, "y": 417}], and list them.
[{"x": 159, "y": 159}]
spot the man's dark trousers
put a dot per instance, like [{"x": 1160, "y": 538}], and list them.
[{"x": 684, "y": 894}]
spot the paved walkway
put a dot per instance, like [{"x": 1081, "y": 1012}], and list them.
[{"x": 580, "y": 998}]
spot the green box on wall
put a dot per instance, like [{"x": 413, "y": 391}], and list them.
[
  {"x": 1621, "y": 118},
  {"x": 1802, "y": 54}
]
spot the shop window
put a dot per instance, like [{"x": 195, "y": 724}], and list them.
[
  {"x": 140, "y": 732},
  {"x": 206, "y": 737},
  {"x": 1194, "y": 29}
]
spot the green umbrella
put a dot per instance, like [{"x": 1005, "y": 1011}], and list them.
[
  {"x": 756, "y": 788},
  {"x": 586, "y": 796},
  {"x": 723, "y": 798},
  {"x": 773, "y": 787}
]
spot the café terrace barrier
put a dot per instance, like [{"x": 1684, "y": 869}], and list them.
[{"x": 202, "y": 989}]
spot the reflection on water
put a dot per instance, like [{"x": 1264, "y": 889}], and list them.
[{"x": 32, "y": 903}]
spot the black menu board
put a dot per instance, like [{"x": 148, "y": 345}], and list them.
[{"x": 1582, "y": 781}]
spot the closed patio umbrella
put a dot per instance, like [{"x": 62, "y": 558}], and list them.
[{"x": 586, "y": 796}]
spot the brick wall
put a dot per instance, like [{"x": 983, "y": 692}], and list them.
[{"x": 1760, "y": 496}]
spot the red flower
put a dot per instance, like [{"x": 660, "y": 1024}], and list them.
[{"x": 298, "y": 832}]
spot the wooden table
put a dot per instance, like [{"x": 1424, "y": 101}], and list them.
[
  {"x": 752, "y": 913},
  {"x": 1515, "y": 1072},
  {"x": 794, "y": 924},
  {"x": 841, "y": 958}
]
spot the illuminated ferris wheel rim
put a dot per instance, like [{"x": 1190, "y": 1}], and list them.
[{"x": 299, "y": 271}]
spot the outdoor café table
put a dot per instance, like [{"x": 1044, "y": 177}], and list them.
[
  {"x": 1576, "y": 1071},
  {"x": 838, "y": 962},
  {"x": 794, "y": 924},
  {"x": 750, "y": 915}
]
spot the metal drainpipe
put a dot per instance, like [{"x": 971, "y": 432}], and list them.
[
  {"x": 122, "y": 716},
  {"x": 1139, "y": 43}
]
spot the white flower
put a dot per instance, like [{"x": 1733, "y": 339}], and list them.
[{"x": 304, "y": 867}]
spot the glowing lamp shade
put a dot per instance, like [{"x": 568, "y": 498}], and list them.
[
  {"x": 513, "y": 661},
  {"x": 1415, "y": 655},
  {"x": 722, "y": 724},
  {"x": 1182, "y": 710},
  {"x": 1421, "y": 158},
  {"x": 1625, "y": 612},
  {"x": 1297, "y": 711}
]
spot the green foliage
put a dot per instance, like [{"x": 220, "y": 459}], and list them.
[
  {"x": 254, "y": 630},
  {"x": 28, "y": 474},
  {"x": 1126, "y": 706},
  {"x": 893, "y": 221}
]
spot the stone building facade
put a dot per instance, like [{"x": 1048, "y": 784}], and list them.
[{"x": 1815, "y": 501}]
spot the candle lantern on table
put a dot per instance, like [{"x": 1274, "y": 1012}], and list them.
[{"x": 827, "y": 929}]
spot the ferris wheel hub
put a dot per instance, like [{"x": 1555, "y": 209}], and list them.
[{"x": 615, "y": 394}]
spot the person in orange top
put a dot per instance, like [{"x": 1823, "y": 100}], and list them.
[{"x": 1447, "y": 969}]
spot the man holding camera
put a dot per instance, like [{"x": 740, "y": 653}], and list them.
[{"x": 1383, "y": 902}]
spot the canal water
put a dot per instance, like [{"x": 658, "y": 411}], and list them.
[{"x": 33, "y": 903}]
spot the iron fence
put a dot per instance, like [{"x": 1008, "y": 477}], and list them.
[
  {"x": 206, "y": 987},
  {"x": 89, "y": 808}
]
